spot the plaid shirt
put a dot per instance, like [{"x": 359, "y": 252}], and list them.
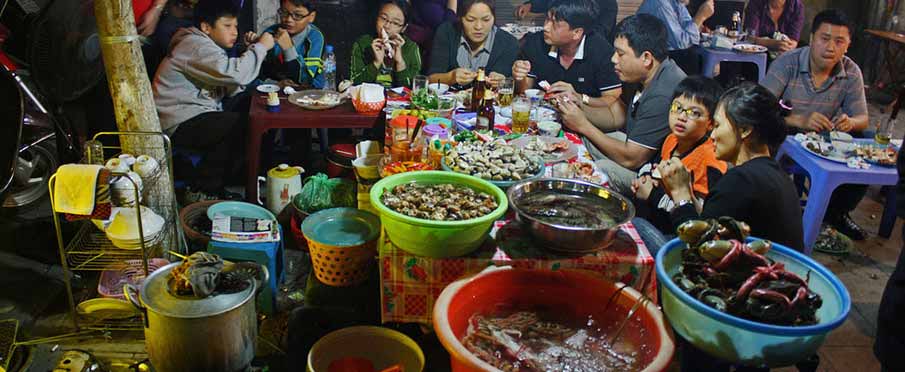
[{"x": 789, "y": 78}]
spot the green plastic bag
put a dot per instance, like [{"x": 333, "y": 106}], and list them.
[{"x": 320, "y": 192}]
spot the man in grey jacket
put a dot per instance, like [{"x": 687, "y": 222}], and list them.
[{"x": 191, "y": 84}]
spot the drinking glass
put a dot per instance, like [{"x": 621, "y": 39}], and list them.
[
  {"x": 884, "y": 131},
  {"x": 521, "y": 114},
  {"x": 507, "y": 88},
  {"x": 420, "y": 82},
  {"x": 94, "y": 152}
]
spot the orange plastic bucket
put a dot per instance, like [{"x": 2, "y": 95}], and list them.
[{"x": 342, "y": 243}]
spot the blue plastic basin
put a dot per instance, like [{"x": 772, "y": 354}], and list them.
[
  {"x": 240, "y": 209},
  {"x": 743, "y": 341}
]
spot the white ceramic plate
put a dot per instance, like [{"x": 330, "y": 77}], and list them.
[
  {"x": 549, "y": 158},
  {"x": 841, "y": 136},
  {"x": 268, "y": 88},
  {"x": 749, "y": 48},
  {"x": 831, "y": 156}
]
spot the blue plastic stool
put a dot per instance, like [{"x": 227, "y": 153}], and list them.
[
  {"x": 267, "y": 254},
  {"x": 711, "y": 57}
]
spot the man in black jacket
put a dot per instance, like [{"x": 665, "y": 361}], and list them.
[{"x": 889, "y": 346}]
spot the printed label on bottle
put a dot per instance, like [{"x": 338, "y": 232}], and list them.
[{"x": 483, "y": 123}]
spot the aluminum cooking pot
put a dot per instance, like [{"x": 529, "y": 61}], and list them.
[{"x": 186, "y": 333}]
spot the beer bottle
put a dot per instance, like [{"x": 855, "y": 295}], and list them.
[
  {"x": 736, "y": 22},
  {"x": 477, "y": 91},
  {"x": 486, "y": 112}
]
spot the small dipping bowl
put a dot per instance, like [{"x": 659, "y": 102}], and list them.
[{"x": 549, "y": 128}]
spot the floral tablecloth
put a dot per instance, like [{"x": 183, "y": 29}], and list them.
[{"x": 410, "y": 284}]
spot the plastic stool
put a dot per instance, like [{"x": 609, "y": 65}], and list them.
[
  {"x": 712, "y": 57},
  {"x": 268, "y": 254}
]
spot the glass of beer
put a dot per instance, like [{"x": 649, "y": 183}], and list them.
[
  {"x": 507, "y": 88},
  {"x": 521, "y": 114},
  {"x": 884, "y": 131}
]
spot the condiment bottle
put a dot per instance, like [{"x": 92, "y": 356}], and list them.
[
  {"x": 434, "y": 137},
  {"x": 477, "y": 91},
  {"x": 486, "y": 113},
  {"x": 273, "y": 102}
]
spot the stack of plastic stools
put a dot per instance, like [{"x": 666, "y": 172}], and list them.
[{"x": 269, "y": 254}]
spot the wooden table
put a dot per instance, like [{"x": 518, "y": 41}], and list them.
[
  {"x": 892, "y": 54},
  {"x": 292, "y": 116}
]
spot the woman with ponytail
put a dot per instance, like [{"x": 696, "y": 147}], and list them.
[{"x": 748, "y": 125}]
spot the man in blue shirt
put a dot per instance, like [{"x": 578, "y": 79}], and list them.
[{"x": 683, "y": 30}]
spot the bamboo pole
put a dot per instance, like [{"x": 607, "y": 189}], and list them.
[{"x": 133, "y": 102}]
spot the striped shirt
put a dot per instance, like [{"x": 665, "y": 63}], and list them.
[{"x": 789, "y": 78}]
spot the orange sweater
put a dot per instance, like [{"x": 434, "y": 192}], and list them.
[{"x": 696, "y": 162}]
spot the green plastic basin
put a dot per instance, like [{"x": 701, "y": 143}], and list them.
[
  {"x": 744, "y": 341},
  {"x": 437, "y": 239}
]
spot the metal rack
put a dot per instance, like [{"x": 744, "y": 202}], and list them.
[{"x": 90, "y": 249}]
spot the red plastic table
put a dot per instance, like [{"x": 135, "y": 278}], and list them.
[{"x": 294, "y": 117}]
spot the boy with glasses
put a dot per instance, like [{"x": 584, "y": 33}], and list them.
[
  {"x": 690, "y": 121},
  {"x": 296, "y": 59}
]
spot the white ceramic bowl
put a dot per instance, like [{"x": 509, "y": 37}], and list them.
[
  {"x": 116, "y": 165},
  {"x": 146, "y": 166},
  {"x": 124, "y": 226},
  {"x": 123, "y": 191},
  {"x": 549, "y": 128},
  {"x": 438, "y": 88}
]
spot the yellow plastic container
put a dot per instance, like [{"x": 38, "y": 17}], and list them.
[{"x": 382, "y": 346}]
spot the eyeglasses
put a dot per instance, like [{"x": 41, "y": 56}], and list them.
[
  {"x": 387, "y": 20},
  {"x": 690, "y": 113},
  {"x": 283, "y": 13}
]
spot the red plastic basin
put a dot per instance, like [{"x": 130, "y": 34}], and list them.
[{"x": 574, "y": 294}]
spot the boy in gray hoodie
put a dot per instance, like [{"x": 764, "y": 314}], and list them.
[{"x": 192, "y": 82}]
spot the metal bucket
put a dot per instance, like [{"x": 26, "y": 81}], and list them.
[{"x": 182, "y": 333}]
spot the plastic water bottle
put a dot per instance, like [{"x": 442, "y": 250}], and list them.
[{"x": 329, "y": 69}]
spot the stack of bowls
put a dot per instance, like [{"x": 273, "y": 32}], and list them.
[{"x": 123, "y": 228}]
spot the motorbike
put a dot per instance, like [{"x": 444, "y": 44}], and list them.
[{"x": 33, "y": 137}]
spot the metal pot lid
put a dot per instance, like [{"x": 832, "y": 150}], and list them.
[{"x": 156, "y": 296}]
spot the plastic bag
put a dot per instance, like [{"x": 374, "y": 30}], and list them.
[
  {"x": 344, "y": 194},
  {"x": 315, "y": 194},
  {"x": 320, "y": 192}
]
